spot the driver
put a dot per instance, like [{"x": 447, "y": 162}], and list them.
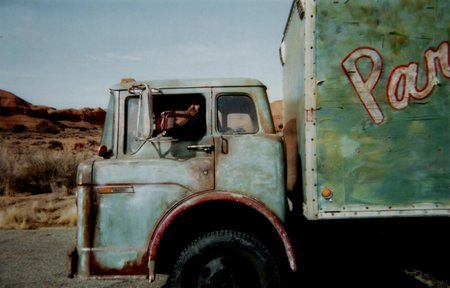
[{"x": 191, "y": 128}]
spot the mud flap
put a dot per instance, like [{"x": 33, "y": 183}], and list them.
[{"x": 72, "y": 262}]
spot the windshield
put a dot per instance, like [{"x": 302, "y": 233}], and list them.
[{"x": 108, "y": 128}]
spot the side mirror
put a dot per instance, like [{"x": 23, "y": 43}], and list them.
[{"x": 143, "y": 126}]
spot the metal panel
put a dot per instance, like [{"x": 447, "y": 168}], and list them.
[
  {"x": 252, "y": 164},
  {"x": 383, "y": 156},
  {"x": 299, "y": 85},
  {"x": 381, "y": 115}
]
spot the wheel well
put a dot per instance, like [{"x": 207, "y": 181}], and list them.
[{"x": 211, "y": 216}]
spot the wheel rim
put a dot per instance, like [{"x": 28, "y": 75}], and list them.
[
  {"x": 227, "y": 272},
  {"x": 225, "y": 258}
]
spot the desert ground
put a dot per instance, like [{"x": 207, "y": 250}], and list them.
[
  {"x": 37, "y": 258},
  {"x": 37, "y": 176}
]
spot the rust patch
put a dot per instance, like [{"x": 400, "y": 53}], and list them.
[{"x": 138, "y": 267}]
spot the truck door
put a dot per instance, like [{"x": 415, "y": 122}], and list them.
[
  {"x": 249, "y": 155},
  {"x": 147, "y": 177}
]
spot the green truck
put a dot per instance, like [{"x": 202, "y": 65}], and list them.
[{"x": 193, "y": 181}]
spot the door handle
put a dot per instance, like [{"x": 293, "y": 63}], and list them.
[
  {"x": 204, "y": 148},
  {"x": 224, "y": 143}
]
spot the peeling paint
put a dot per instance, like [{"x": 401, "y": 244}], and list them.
[{"x": 348, "y": 146}]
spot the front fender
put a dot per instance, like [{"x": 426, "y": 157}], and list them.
[{"x": 211, "y": 196}]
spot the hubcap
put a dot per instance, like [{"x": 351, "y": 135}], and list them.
[{"x": 220, "y": 272}]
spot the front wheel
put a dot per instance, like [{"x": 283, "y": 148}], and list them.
[{"x": 225, "y": 259}]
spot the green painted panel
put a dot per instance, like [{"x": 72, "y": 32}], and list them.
[{"x": 383, "y": 102}]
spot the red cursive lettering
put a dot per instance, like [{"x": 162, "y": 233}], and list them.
[
  {"x": 403, "y": 81},
  {"x": 364, "y": 87},
  {"x": 402, "y": 85}
]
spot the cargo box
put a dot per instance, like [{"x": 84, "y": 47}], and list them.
[{"x": 366, "y": 86}]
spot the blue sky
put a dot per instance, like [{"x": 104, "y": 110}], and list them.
[{"x": 67, "y": 53}]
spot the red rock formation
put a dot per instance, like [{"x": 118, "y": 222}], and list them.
[
  {"x": 95, "y": 116},
  {"x": 16, "y": 111},
  {"x": 10, "y": 104}
]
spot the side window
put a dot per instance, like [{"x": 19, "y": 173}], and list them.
[
  {"x": 236, "y": 115},
  {"x": 131, "y": 114},
  {"x": 180, "y": 116}
]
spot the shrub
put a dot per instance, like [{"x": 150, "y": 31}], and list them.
[
  {"x": 39, "y": 171},
  {"x": 19, "y": 128},
  {"x": 44, "y": 127},
  {"x": 7, "y": 170},
  {"x": 55, "y": 145}
]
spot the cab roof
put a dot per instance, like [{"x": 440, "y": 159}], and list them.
[{"x": 189, "y": 83}]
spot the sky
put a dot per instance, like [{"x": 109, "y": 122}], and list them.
[{"x": 67, "y": 53}]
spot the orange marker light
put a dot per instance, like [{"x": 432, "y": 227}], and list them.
[
  {"x": 105, "y": 189},
  {"x": 327, "y": 193}
]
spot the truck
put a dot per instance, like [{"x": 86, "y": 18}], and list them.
[{"x": 365, "y": 140}]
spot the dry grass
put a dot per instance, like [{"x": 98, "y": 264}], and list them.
[
  {"x": 31, "y": 212},
  {"x": 38, "y": 174},
  {"x": 36, "y": 163},
  {"x": 38, "y": 171}
]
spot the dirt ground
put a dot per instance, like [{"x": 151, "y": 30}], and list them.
[{"x": 37, "y": 258}]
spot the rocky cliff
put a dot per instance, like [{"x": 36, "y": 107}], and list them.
[{"x": 15, "y": 111}]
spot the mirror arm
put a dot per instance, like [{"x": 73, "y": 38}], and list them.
[{"x": 162, "y": 139}]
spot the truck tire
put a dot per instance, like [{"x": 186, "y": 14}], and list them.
[{"x": 225, "y": 259}]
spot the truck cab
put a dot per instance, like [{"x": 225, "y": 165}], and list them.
[{"x": 153, "y": 197}]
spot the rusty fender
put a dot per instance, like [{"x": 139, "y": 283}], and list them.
[{"x": 209, "y": 197}]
